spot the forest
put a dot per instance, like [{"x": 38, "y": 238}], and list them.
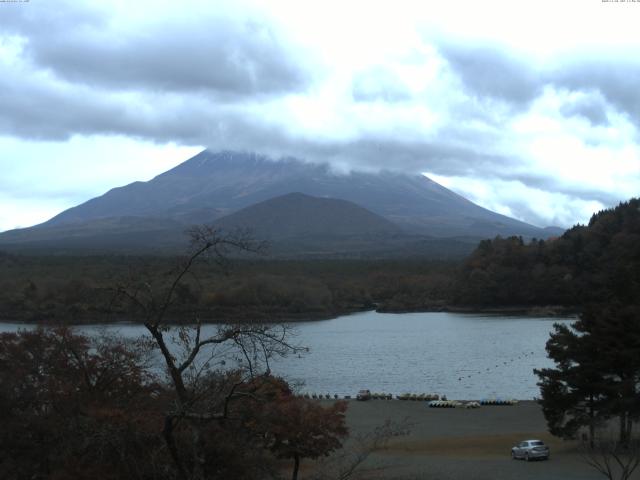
[
  {"x": 80, "y": 289},
  {"x": 587, "y": 264}
]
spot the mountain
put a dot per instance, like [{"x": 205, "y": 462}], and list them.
[
  {"x": 299, "y": 225},
  {"x": 550, "y": 232},
  {"x": 296, "y": 215},
  {"x": 210, "y": 186}
]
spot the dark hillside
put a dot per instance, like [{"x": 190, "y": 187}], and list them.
[
  {"x": 593, "y": 263},
  {"x": 297, "y": 215}
]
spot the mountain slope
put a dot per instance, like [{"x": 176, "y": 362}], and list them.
[
  {"x": 140, "y": 234},
  {"x": 211, "y": 185}
]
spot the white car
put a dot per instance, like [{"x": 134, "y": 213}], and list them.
[
  {"x": 363, "y": 395},
  {"x": 530, "y": 450}
]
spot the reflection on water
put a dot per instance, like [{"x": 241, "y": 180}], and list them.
[{"x": 460, "y": 355}]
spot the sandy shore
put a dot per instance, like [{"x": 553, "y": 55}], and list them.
[{"x": 463, "y": 444}]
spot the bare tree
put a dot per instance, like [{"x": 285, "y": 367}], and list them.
[
  {"x": 613, "y": 459},
  {"x": 348, "y": 463},
  {"x": 202, "y": 396}
]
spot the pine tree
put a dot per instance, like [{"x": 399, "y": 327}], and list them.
[{"x": 597, "y": 373}]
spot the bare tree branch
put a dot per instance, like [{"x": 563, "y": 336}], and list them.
[
  {"x": 611, "y": 458},
  {"x": 348, "y": 463},
  {"x": 201, "y": 396}
]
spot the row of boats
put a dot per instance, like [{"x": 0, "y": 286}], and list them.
[
  {"x": 498, "y": 401},
  {"x": 435, "y": 401},
  {"x": 367, "y": 395},
  {"x": 419, "y": 397},
  {"x": 470, "y": 404},
  {"x": 320, "y": 396},
  {"x": 453, "y": 404}
]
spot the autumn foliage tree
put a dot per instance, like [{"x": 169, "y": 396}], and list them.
[
  {"x": 299, "y": 428},
  {"x": 75, "y": 407}
]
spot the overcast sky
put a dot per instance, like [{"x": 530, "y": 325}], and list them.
[{"x": 531, "y": 109}]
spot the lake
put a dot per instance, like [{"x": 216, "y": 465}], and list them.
[{"x": 463, "y": 356}]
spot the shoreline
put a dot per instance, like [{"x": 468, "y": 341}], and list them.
[{"x": 284, "y": 317}]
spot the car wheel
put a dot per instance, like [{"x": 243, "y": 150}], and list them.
[
  {"x": 513, "y": 455},
  {"x": 526, "y": 457}
]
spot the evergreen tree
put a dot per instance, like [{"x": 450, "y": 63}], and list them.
[
  {"x": 572, "y": 394},
  {"x": 597, "y": 373}
]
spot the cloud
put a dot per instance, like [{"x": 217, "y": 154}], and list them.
[
  {"x": 35, "y": 107},
  {"x": 493, "y": 72},
  {"x": 612, "y": 77},
  {"x": 591, "y": 106},
  {"x": 379, "y": 84},
  {"x": 563, "y": 127},
  {"x": 222, "y": 56},
  {"x": 520, "y": 200}
]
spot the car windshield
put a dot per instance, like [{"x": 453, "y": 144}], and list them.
[{"x": 536, "y": 443}]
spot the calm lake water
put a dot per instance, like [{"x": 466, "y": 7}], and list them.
[{"x": 463, "y": 356}]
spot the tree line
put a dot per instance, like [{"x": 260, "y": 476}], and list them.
[
  {"x": 75, "y": 289},
  {"x": 590, "y": 263}
]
